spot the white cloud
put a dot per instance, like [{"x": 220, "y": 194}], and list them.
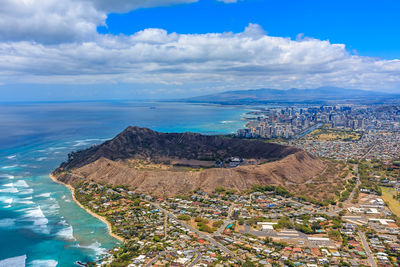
[
  {"x": 55, "y": 41},
  {"x": 121, "y": 6},
  {"x": 247, "y": 59},
  {"x": 57, "y": 21},
  {"x": 48, "y": 21}
]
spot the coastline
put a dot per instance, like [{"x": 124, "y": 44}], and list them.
[{"x": 103, "y": 219}]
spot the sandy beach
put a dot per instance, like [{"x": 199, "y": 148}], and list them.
[{"x": 87, "y": 210}]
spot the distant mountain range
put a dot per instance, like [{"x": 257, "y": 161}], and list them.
[{"x": 319, "y": 95}]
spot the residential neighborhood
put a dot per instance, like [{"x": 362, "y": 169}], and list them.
[{"x": 268, "y": 226}]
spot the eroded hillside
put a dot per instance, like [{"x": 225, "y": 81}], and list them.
[{"x": 167, "y": 164}]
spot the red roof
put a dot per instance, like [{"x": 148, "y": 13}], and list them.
[
  {"x": 316, "y": 251},
  {"x": 297, "y": 250}
]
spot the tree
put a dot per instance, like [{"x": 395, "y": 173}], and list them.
[
  {"x": 335, "y": 235},
  {"x": 248, "y": 263},
  {"x": 316, "y": 226},
  {"x": 219, "y": 189},
  {"x": 184, "y": 217},
  {"x": 304, "y": 228},
  {"x": 218, "y": 223},
  {"x": 284, "y": 222}
]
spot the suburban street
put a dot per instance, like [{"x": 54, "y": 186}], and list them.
[
  {"x": 196, "y": 260},
  {"x": 227, "y": 221},
  {"x": 200, "y": 234},
  {"x": 154, "y": 260},
  {"x": 367, "y": 249}
]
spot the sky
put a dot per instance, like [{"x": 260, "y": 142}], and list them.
[{"x": 151, "y": 49}]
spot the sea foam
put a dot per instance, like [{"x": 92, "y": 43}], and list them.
[
  {"x": 9, "y": 201},
  {"x": 9, "y": 167},
  {"x": 44, "y": 195},
  {"x": 26, "y": 202},
  {"x": 27, "y": 191},
  {"x": 96, "y": 247},
  {"x": 43, "y": 263},
  {"x": 11, "y": 190},
  {"x": 7, "y": 223},
  {"x": 66, "y": 233},
  {"x": 21, "y": 183},
  {"x": 36, "y": 215},
  {"x": 15, "y": 261},
  {"x": 85, "y": 142},
  {"x": 7, "y": 176}
]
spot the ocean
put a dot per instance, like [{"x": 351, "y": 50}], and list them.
[{"x": 38, "y": 219}]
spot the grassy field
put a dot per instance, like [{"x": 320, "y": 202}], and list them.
[
  {"x": 394, "y": 205},
  {"x": 328, "y": 134}
]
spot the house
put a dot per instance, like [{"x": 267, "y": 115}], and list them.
[
  {"x": 377, "y": 201},
  {"x": 296, "y": 250},
  {"x": 265, "y": 226}
]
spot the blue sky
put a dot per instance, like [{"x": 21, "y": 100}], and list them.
[
  {"x": 101, "y": 49},
  {"x": 370, "y": 27}
]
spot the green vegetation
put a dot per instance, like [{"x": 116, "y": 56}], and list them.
[
  {"x": 218, "y": 223},
  {"x": 304, "y": 228},
  {"x": 203, "y": 226},
  {"x": 330, "y": 134},
  {"x": 201, "y": 220},
  {"x": 368, "y": 171},
  {"x": 219, "y": 190},
  {"x": 389, "y": 196},
  {"x": 278, "y": 190},
  {"x": 317, "y": 201},
  {"x": 335, "y": 235},
  {"x": 183, "y": 217},
  {"x": 123, "y": 256},
  {"x": 351, "y": 183},
  {"x": 284, "y": 222}
]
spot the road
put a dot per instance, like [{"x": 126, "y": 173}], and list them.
[
  {"x": 369, "y": 151},
  {"x": 154, "y": 260},
  {"x": 356, "y": 187},
  {"x": 200, "y": 234},
  {"x": 307, "y": 131},
  {"x": 227, "y": 221},
  {"x": 196, "y": 260},
  {"x": 367, "y": 249},
  {"x": 165, "y": 226}
]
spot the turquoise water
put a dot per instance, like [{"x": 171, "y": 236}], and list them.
[{"x": 37, "y": 216}]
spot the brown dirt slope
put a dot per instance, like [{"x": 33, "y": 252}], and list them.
[
  {"x": 167, "y": 164},
  {"x": 295, "y": 169}
]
